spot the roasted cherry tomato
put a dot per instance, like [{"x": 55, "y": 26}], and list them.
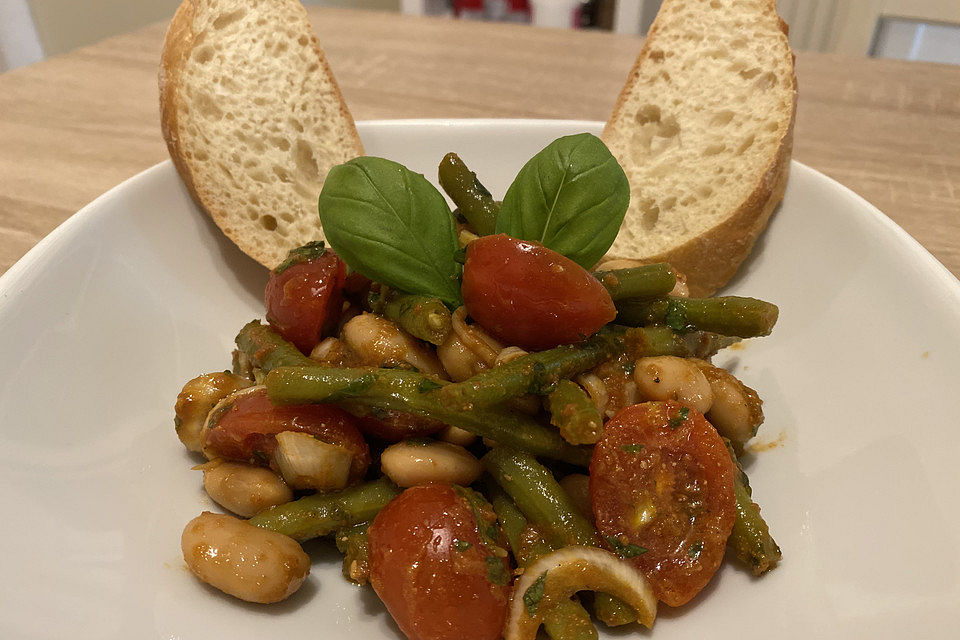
[
  {"x": 530, "y": 296},
  {"x": 438, "y": 573},
  {"x": 661, "y": 484},
  {"x": 394, "y": 426},
  {"x": 247, "y": 429},
  {"x": 304, "y": 295}
]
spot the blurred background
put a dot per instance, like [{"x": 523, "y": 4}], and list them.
[{"x": 929, "y": 30}]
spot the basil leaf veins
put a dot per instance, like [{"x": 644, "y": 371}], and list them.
[
  {"x": 571, "y": 197},
  {"x": 393, "y": 226}
]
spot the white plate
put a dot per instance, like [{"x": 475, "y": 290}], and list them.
[{"x": 104, "y": 320}]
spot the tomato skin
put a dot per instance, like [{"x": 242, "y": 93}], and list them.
[
  {"x": 662, "y": 479},
  {"x": 247, "y": 431},
  {"x": 434, "y": 590},
  {"x": 530, "y": 296},
  {"x": 305, "y": 299},
  {"x": 394, "y": 426}
]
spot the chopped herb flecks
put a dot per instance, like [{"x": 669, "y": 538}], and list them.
[
  {"x": 680, "y": 418},
  {"x": 695, "y": 549},
  {"x": 625, "y": 549},
  {"x": 534, "y": 594},
  {"x": 496, "y": 572},
  {"x": 427, "y": 385},
  {"x": 632, "y": 448}
]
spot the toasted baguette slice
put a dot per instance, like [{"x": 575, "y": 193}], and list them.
[
  {"x": 253, "y": 119},
  {"x": 704, "y": 131}
]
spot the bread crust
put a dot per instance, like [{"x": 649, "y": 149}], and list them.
[
  {"x": 710, "y": 259},
  {"x": 178, "y": 45}
]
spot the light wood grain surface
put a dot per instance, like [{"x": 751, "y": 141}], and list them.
[{"x": 76, "y": 125}]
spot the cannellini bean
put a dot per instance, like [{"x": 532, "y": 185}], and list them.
[
  {"x": 244, "y": 489},
  {"x": 577, "y": 486},
  {"x": 673, "y": 378},
  {"x": 737, "y": 410},
  {"x": 306, "y": 462},
  {"x": 468, "y": 350},
  {"x": 456, "y": 435},
  {"x": 323, "y": 349},
  {"x": 196, "y": 400},
  {"x": 508, "y": 355},
  {"x": 379, "y": 342},
  {"x": 595, "y": 388},
  {"x": 245, "y": 561},
  {"x": 410, "y": 463}
]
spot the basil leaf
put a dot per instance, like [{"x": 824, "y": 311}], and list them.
[
  {"x": 571, "y": 197},
  {"x": 391, "y": 225}
]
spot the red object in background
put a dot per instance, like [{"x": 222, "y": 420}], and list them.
[{"x": 503, "y": 10}]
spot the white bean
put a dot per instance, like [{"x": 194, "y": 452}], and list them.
[
  {"x": 380, "y": 342},
  {"x": 456, "y": 435},
  {"x": 411, "y": 463},
  {"x": 737, "y": 410},
  {"x": 673, "y": 378},
  {"x": 244, "y": 489},
  {"x": 245, "y": 561},
  {"x": 468, "y": 350},
  {"x": 196, "y": 400}
]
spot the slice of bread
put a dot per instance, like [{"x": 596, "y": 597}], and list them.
[
  {"x": 704, "y": 131},
  {"x": 253, "y": 119}
]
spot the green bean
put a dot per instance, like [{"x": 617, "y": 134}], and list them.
[
  {"x": 471, "y": 198},
  {"x": 647, "y": 281},
  {"x": 750, "y": 538},
  {"x": 353, "y": 544},
  {"x": 321, "y": 514},
  {"x": 574, "y": 414},
  {"x": 540, "y": 371},
  {"x": 267, "y": 350},
  {"x": 568, "y": 620},
  {"x": 726, "y": 315},
  {"x": 541, "y": 499},
  {"x": 421, "y": 316},
  {"x": 414, "y": 393}
]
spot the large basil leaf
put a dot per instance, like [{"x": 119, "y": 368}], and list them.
[
  {"x": 393, "y": 226},
  {"x": 571, "y": 197}
]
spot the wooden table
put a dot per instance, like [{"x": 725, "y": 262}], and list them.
[{"x": 74, "y": 126}]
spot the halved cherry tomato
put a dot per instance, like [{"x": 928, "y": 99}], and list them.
[
  {"x": 247, "y": 430},
  {"x": 530, "y": 296},
  {"x": 661, "y": 483},
  {"x": 439, "y": 577},
  {"x": 304, "y": 295},
  {"x": 394, "y": 426}
]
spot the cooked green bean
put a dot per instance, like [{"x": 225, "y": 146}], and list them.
[
  {"x": 353, "y": 544},
  {"x": 414, "y": 393},
  {"x": 541, "y": 499},
  {"x": 471, "y": 198},
  {"x": 574, "y": 414},
  {"x": 267, "y": 350},
  {"x": 726, "y": 315},
  {"x": 568, "y": 620},
  {"x": 647, "y": 281},
  {"x": 750, "y": 538},
  {"x": 540, "y": 371},
  {"x": 321, "y": 514},
  {"x": 422, "y": 317}
]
